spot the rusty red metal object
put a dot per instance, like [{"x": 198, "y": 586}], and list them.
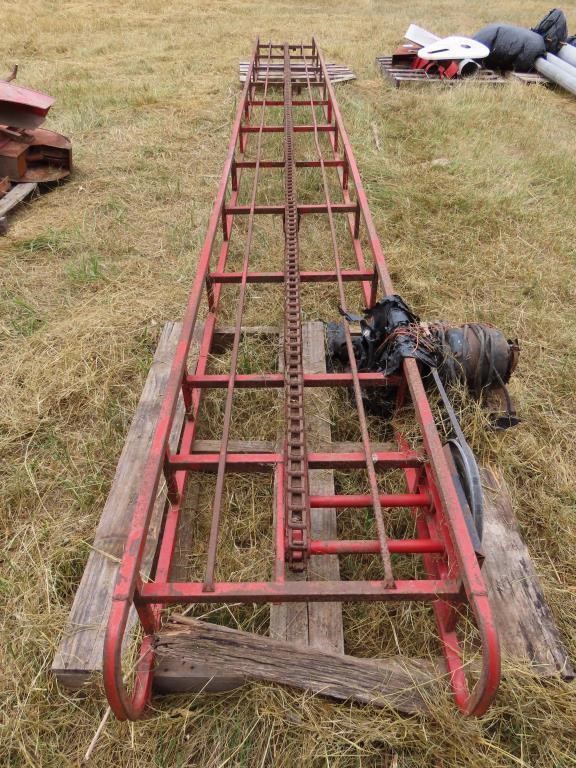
[
  {"x": 29, "y": 153},
  {"x": 452, "y": 578},
  {"x": 22, "y": 107}
]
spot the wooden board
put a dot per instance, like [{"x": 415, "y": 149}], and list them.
[
  {"x": 269, "y": 446},
  {"x": 408, "y": 685},
  {"x": 79, "y": 654},
  {"x": 524, "y": 620},
  {"x": 316, "y": 624},
  {"x": 224, "y": 335},
  {"x": 529, "y": 78},
  {"x": 12, "y": 198}
]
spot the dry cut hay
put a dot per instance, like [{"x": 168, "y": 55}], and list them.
[{"x": 91, "y": 271}]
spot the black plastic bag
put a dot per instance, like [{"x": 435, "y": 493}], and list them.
[
  {"x": 511, "y": 47},
  {"x": 554, "y": 29}
]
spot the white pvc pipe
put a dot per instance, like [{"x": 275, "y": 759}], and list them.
[
  {"x": 468, "y": 67},
  {"x": 561, "y": 64},
  {"x": 556, "y": 75},
  {"x": 568, "y": 54}
]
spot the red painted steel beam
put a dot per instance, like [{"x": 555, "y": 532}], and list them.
[
  {"x": 125, "y": 705},
  {"x": 280, "y": 163},
  {"x": 309, "y": 208},
  {"x": 280, "y": 103},
  {"x": 300, "y": 591},
  {"x": 276, "y": 380},
  {"x": 348, "y": 276},
  {"x": 389, "y": 500},
  {"x": 323, "y": 128},
  {"x": 369, "y": 547},
  {"x": 261, "y": 462}
]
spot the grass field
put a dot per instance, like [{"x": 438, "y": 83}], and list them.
[{"x": 91, "y": 271}]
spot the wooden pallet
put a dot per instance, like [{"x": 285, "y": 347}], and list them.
[
  {"x": 399, "y": 75},
  {"x": 529, "y": 78},
  {"x": 526, "y": 625},
  {"x": 338, "y": 73}
]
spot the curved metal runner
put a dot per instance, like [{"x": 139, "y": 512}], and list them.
[{"x": 452, "y": 578}]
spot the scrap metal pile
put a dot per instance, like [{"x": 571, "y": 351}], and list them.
[
  {"x": 28, "y": 152},
  {"x": 394, "y": 355},
  {"x": 546, "y": 51},
  {"x": 29, "y": 155}
]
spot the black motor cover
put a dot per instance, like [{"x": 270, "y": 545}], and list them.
[{"x": 511, "y": 47}]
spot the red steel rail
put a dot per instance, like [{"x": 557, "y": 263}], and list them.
[{"x": 453, "y": 578}]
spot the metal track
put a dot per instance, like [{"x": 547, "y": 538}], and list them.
[
  {"x": 295, "y": 462},
  {"x": 450, "y": 573}
]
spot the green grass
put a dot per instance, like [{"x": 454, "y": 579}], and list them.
[{"x": 88, "y": 270}]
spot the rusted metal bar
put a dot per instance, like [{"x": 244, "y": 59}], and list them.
[
  {"x": 265, "y": 380},
  {"x": 305, "y": 208},
  {"x": 222, "y": 458},
  {"x": 395, "y": 546},
  {"x": 348, "y": 276},
  {"x": 375, "y": 493}
]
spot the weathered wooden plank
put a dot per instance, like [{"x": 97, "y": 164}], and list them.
[
  {"x": 224, "y": 335},
  {"x": 235, "y": 446},
  {"x": 316, "y": 624},
  {"x": 288, "y": 621},
  {"x": 11, "y": 199},
  {"x": 269, "y": 446},
  {"x": 408, "y": 685},
  {"x": 325, "y": 630},
  {"x": 15, "y": 195},
  {"x": 79, "y": 654},
  {"x": 525, "y": 623}
]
